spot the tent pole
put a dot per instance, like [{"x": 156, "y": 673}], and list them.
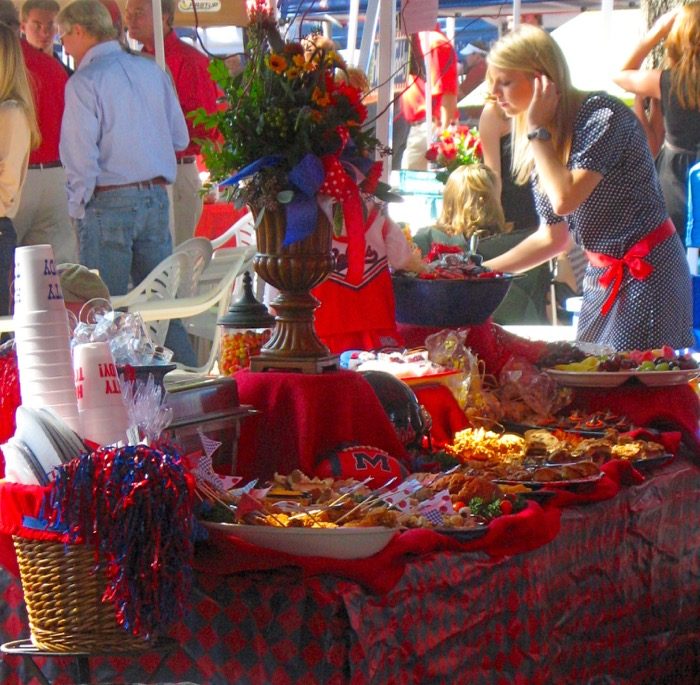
[
  {"x": 368, "y": 33},
  {"x": 158, "y": 34},
  {"x": 387, "y": 41},
  {"x": 354, "y": 13}
]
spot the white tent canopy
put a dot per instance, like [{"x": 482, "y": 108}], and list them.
[{"x": 594, "y": 49}]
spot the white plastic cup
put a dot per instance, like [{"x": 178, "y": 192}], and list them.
[
  {"x": 96, "y": 376},
  {"x": 40, "y": 317},
  {"x": 66, "y": 411},
  {"x": 51, "y": 343},
  {"x": 42, "y": 359},
  {"x": 105, "y": 430},
  {"x": 37, "y": 285},
  {"x": 45, "y": 370},
  {"x": 37, "y": 386},
  {"x": 46, "y": 398}
]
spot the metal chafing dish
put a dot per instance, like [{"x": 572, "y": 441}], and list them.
[{"x": 208, "y": 405}]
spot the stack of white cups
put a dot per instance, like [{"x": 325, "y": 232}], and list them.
[
  {"x": 102, "y": 413},
  {"x": 42, "y": 335}
]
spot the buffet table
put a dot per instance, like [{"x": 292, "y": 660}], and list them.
[{"x": 612, "y": 598}]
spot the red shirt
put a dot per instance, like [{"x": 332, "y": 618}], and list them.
[
  {"x": 48, "y": 81},
  {"x": 195, "y": 88},
  {"x": 444, "y": 78}
]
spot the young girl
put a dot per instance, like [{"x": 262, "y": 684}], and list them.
[
  {"x": 470, "y": 207},
  {"x": 19, "y": 133},
  {"x": 595, "y": 184}
]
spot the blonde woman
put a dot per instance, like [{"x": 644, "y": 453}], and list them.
[
  {"x": 19, "y": 133},
  {"x": 677, "y": 86},
  {"x": 595, "y": 183},
  {"x": 470, "y": 206}
]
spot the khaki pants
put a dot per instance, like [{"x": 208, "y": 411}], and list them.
[
  {"x": 416, "y": 147},
  {"x": 43, "y": 214},
  {"x": 186, "y": 203}
]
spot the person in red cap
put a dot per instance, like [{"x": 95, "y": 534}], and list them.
[{"x": 195, "y": 89}]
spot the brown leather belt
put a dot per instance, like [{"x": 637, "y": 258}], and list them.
[
  {"x": 187, "y": 160},
  {"x": 45, "y": 165},
  {"x": 141, "y": 185}
]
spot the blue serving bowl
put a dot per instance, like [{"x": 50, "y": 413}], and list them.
[{"x": 448, "y": 303}]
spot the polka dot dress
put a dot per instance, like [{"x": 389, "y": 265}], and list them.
[{"x": 623, "y": 208}]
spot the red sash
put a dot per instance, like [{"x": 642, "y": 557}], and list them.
[{"x": 633, "y": 259}]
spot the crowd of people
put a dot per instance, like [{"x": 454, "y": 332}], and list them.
[{"x": 106, "y": 140}]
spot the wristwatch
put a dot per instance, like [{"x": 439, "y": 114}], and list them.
[{"x": 540, "y": 133}]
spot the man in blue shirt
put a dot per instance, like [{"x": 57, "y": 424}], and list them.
[{"x": 121, "y": 127}]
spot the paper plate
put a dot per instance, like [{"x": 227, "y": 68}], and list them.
[
  {"x": 334, "y": 543},
  {"x": 611, "y": 379}
]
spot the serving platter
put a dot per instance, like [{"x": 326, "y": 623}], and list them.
[
  {"x": 522, "y": 428},
  {"x": 429, "y": 378},
  {"x": 573, "y": 483},
  {"x": 333, "y": 543},
  {"x": 612, "y": 379},
  {"x": 649, "y": 463},
  {"x": 463, "y": 534}
]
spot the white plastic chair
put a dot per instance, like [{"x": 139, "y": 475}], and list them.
[
  {"x": 215, "y": 286},
  {"x": 160, "y": 285},
  {"x": 199, "y": 252},
  {"x": 243, "y": 231}
]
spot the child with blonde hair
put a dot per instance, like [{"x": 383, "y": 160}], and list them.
[{"x": 470, "y": 207}]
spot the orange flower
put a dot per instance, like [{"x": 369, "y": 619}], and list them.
[
  {"x": 292, "y": 73},
  {"x": 277, "y": 63},
  {"x": 321, "y": 98}
]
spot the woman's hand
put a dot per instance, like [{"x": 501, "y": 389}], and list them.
[
  {"x": 663, "y": 25},
  {"x": 544, "y": 103}
]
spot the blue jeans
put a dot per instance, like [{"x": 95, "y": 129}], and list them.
[
  {"x": 8, "y": 242},
  {"x": 125, "y": 234}
]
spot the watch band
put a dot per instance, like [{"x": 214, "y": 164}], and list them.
[{"x": 539, "y": 133}]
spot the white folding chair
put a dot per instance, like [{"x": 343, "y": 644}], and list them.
[
  {"x": 160, "y": 285},
  {"x": 242, "y": 230},
  {"x": 215, "y": 286},
  {"x": 199, "y": 252}
]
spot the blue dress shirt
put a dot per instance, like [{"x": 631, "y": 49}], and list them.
[{"x": 122, "y": 123}]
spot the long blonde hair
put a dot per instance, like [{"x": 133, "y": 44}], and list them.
[
  {"x": 14, "y": 82},
  {"x": 531, "y": 50},
  {"x": 470, "y": 202},
  {"x": 683, "y": 56}
]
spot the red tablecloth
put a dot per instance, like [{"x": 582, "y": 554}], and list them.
[
  {"x": 612, "y": 599},
  {"x": 307, "y": 415}
]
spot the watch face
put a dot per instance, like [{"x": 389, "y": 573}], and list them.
[{"x": 539, "y": 134}]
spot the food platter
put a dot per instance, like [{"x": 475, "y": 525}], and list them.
[
  {"x": 463, "y": 534},
  {"x": 521, "y": 428},
  {"x": 574, "y": 483},
  {"x": 333, "y": 543},
  {"x": 611, "y": 379},
  {"x": 429, "y": 378},
  {"x": 649, "y": 463}
]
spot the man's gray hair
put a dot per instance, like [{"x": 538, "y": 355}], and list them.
[
  {"x": 8, "y": 14},
  {"x": 45, "y": 5},
  {"x": 92, "y": 15}
]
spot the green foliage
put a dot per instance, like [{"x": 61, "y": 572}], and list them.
[{"x": 285, "y": 102}]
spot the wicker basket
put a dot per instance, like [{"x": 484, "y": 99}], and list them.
[{"x": 63, "y": 596}]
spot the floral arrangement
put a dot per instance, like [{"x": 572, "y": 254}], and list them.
[
  {"x": 454, "y": 149},
  {"x": 292, "y": 130}
]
